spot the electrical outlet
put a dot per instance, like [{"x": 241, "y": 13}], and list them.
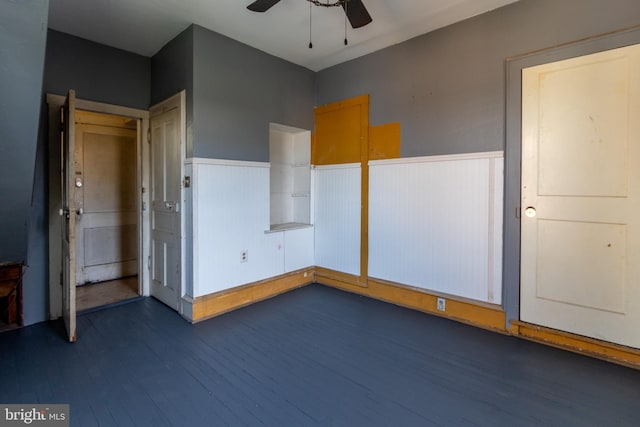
[
  {"x": 244, "y": 255},
  {"x": 442, "y": 304}
]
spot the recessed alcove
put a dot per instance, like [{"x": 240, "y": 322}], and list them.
[{"x": 290, "y": 177}]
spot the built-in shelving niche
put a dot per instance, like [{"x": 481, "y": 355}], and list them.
[{"x": 290, "y": 174}]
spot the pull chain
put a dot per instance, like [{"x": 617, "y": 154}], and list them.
[
  {"x": 346, "y": 7},
  {"x": 310, "y": 23},
  {"x": 327, "y": 3}
]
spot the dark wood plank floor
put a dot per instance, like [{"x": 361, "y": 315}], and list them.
[{"x": 314, "y": 356}]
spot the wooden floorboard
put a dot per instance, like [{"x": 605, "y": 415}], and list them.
[
  {"x": 313, "y": 356},
  {"x": 94, "y": 295}
]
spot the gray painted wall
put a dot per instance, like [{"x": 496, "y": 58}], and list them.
[
  {"x": 238, "y": 91},
  {"x": 172, "y": 72},
  {"x": 36, "y": 273},
  {"x": 172, "y": 67},
  {"x": 22, "y": 55},
  {"x": 447, "y": 88},
  {"x": 22, "y": 47},
  {"x": 96, "y": 72}
]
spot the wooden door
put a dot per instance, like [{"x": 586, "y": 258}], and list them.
[
  {"x": 580, "y": 255},
  {"x": 166, "y": 209},
  {"x": 107, "y": 232},
  {"x": 68, "y": 213}
]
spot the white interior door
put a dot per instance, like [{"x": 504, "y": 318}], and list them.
[
  {"x": 107, "y": 232},
  {"x": 68, "y": 213},
  {"x": 166, "y": 209},
  {"x": 580, "y": 255}
]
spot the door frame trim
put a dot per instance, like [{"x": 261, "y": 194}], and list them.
[
  {"x": 513, "y": 150},
  {"x": 54, "y": 103}
]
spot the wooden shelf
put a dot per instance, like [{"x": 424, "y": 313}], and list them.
[{"x": 288, "y": 226}]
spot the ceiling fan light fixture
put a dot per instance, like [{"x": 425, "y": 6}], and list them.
[
  {"x": 355, "y": 12},
  {"x": 328, "y": 3}
]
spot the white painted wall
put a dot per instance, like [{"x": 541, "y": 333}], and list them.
[
  {"x": 298, "y": 246},
  {"x": 231, "y": 214},
  {"x": 436, "y": 223},
  {"x": 337, "y": 217}
]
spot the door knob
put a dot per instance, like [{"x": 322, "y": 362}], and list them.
[
  {"x": 530, "y": 212},
  {"x": 168, "y": 205},
  {"x": 79, "y": 211}
]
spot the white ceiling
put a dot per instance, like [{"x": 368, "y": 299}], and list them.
[{"x": 145, "y": 26}]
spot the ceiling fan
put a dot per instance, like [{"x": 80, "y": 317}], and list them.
[{"x": 354, "y": 9}]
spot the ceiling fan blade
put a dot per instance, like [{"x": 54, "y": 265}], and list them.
[
  {"x": 262, "y": 5},
  {"x": 357, "y": 13}
]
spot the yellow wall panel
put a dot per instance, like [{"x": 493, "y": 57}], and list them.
[
  {"x": 384, "y": 141},
  {"x": 340, "y": 129}
]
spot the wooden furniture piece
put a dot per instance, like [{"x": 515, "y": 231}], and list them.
[{"x": 11, "y": 293}]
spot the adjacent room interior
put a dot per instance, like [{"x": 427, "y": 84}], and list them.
[{"x": 107, "y": 238}]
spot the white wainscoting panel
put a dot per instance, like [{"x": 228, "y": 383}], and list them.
[
  {"x": 436, "y": 223},
  {"x": 337, "y": 217},
  {"x": 497, "y": 195},
  {"x": 298, "y": 249},
  {"x": 231, "y": 214}
]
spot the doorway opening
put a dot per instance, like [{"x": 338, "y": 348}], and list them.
[
  {"x": 108, "y": 183},
  {"x": 107, "y": 259}
]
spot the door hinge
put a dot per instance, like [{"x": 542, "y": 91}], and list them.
[
  {"x": 149, "y": 263},
  {"x": 149, "y": 136}
]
